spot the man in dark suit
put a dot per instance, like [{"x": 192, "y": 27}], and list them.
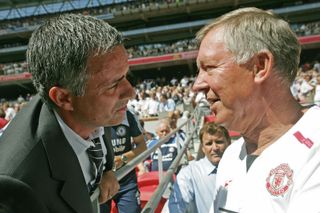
[{"x": 78, "y": 64}]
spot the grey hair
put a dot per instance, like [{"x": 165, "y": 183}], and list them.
[
  {"x": 248, "y": 31},
  {"x": 58, "y": 52}
]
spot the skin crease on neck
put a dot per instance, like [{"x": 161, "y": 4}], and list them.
[{"x": 278, "y": 112}]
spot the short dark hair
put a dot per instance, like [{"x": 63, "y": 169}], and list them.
[
  {"x": 213, "y": 128},
  {"x": 58, "y": 51}
]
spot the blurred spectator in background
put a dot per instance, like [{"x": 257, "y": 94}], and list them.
[
  {"x": 184, "y": 81},
  {"x": 142, "y": 105},
  {"x": 316, "y": 66},
  {"x": 174, "y": 81},
  {"x": 316, "y": 98},
  {"x": 153, "y": 105},
  {"x": 166, "y": 104},
  {"x": 176, "y": 96},
  {"x": 147, "y": 135},
  {"x": 194, "y": 188},
  {"x": 169, "y": 149},
  {"x": 9, "y": 110},
  {"x": 306, "y": 89},
  {"x": 180, "y": 135},
  {"x": 173, "y": 118},
  {"x": 188, "y": 101},
  {"x": 128, "y": 142},
  {"x": 3, "y": 121}
]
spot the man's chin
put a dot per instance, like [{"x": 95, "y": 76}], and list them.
[
  {"x": 221, "y": 121},
  {"x": 215, "y": 160}
]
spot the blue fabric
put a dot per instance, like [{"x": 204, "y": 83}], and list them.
[
  {"x": 168, "y": 106},
  {"x": 169, "y": 152},
  {"x": 194, "y": 187},
  {"x": 127, "y": 199},
  {"x": 122, "y": 133},
  {"x": 121, "y": 139}
]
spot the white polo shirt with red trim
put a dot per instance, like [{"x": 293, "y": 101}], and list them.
[{"x": 285, "y": 178}]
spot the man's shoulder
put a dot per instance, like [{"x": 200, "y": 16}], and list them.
[
  {"x": 19, "y": 193},
  {"x": 192, "y": 167},
  {"x": 235, "y": 146},
  {"x": 15, "y": 158},
  {"x": 172, "y": 141},
  {"x": 22, "y": 136},
  {"x": 309, "y": 123},
  {"x": 232, "y": 154}
]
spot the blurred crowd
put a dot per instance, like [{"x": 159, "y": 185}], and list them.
[
  {"x": 116, "y": 7},
  {"x": 306, "y": 87},
  {"x": 162, "y": 48},
  {"x": 306, "y": 29},
  {"x": 153, "y": 98},
  {"x": 134, "y": 52},
  {"x": 9, "y": 108},
  {"x": 301, "y": 29},
  {"x": 13, "y": 68},
  {"x": 156, "y": 97}
]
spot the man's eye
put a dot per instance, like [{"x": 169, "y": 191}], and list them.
[
  {"x": 211, "y": 67},
  {"x": 113, "y": 86}
]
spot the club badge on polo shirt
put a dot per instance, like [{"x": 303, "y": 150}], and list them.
[
  {"x": 171, "y": 149},
  {"x": 279, "y": 180},
  {"x": 121, "y": 131}
]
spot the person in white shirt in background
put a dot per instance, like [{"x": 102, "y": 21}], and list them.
[
  {"x": 316, "y": 97},
  {"x": 166, "y": 104},
  {"x": 306, "y": 89},
  {"x": 9, "y": 111},
  {"x": 194, "y": 187},
  {"x": 153, "y": 105}
]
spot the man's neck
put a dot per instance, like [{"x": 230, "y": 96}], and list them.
[
  {"x": 275, "y": 124},
  {"x": 256, "y": 145},
  {"x": 74, "y": 125}
]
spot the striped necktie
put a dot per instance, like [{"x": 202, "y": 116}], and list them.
[
  {"x": 95, "y": 154},
  {"x": 214, "y": 171}
]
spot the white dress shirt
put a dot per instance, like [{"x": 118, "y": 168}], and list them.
[
  {"x": 194, "y": 187},
  {"x": 80, "y": 146}
]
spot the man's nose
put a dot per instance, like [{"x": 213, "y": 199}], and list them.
[
  {"x": 214, "y": 148},
  {"x": 128, "y": 91},
  {"x": 200, "y": 83}
]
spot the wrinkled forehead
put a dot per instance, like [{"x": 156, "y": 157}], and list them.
[
  {"x": 211, "y": 47},
  {"x": 163, "y": 127},
  {"x": 218, "y": 135}
]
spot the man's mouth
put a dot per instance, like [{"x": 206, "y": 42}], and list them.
[
  {"x": 213, "y": 99},
  {"x": 122, "y": 108},
  {"x": 216, "y": 155},
  {"x": 213, "y": 107}
]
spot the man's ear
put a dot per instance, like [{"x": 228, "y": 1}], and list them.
[
  {"x": 61, "y": 97},
  {"x": 262, "y": 67}
]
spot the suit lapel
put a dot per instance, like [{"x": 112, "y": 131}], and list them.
[{"x": 64, "y": 163}]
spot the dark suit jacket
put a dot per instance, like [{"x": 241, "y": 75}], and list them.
[{"x": 36, "y": 157}]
